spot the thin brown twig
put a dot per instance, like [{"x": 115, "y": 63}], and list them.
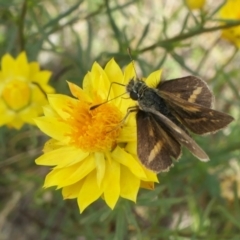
[{"x": 197, "y": 31}]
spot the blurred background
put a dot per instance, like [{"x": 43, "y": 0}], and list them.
[{"x": 194, "y": 200}]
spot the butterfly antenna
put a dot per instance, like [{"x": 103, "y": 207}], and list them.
[
  {"x": 130, "y": 55},
  {"x": 98, "y": 105}
]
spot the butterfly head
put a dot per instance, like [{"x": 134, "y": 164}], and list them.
[{"x": 136, "y": 88}]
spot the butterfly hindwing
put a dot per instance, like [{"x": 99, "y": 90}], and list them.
[
  {"x": 155, "y": 146},
  {"x": 180, "y": 135}
]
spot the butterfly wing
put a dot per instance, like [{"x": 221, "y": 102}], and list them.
[
  {"x": 155, "y": 147},
  {"x": 190, "y": 88},
  {"x": 199, "y": 119}
]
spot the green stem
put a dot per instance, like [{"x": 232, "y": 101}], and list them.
[
  {"x": 200, "y": 30},
  {"x": 21, "y": 26}
]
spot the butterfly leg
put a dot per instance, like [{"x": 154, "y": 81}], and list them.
[
  {"x": 97, "y": 105},
  {"x": 130, "y": 110}
]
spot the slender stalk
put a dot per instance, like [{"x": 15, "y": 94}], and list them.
[
  {"x": 21, "y": 26},
  {"x": 183, "y": 36}
]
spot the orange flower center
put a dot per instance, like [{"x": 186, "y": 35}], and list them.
[
  {"x": 16, "y": 94},
  {"x": 97, "y": 129}
]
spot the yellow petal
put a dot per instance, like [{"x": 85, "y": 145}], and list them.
[
  {"x": 16, "y": 123},
  {"x": 154, "y": 78},
  {"x": 51, "y": 145},
  {"x": 100, "y": 167},
  {"x": 38, "y": 97},
  {"x": 8, "y": 64},
  {"x": 88, "y": 85},
  {"x": 89, "y": 192},
  {"x": 115, "y": 75},
  {"x": 33, "y": 68},
  {"x": 49, "y": 112},
  {"x": 127, "y": 134},
  {"x": 78, "y": 92},
  {"x": 96, "y": 81},
  {"x": 147, "y": 185},
  {"x": 5, "y": 119},
  {"x": 129, "y": 161},
  {"x": 1, "y": 77},
  {"x": 113, "y": 71},
  {"x": 124, "y": 106},
  {"x": 72, "y": 191},
  {"x": 131, "y": 148},
  {"x": 22, "y": 66},
  {"x": 54, "y": 177},
  {"x": 29, "y": 114},
  {"x": 151, "y": 176},
  {"x": 42, "y": 78},
  {"x": 129, "y": 73},
  {"x": 78, "y": 171},
  {"x": 101, "y": 83},
  {"x": 62, "y": 104},
  {"x": 6, "y": 115},
  {"x": 62, "y": 157},
  {"x": 62, "y": 177},
  {"x": 129, "y": 184},
  {"x": 54, "y": 128},
  {"x": 111, "y": 183},
  {"x": 3, "y": 107}
]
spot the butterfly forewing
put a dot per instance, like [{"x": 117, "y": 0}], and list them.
[
  {"x": 155, "y": 146},
  {"x": 190, "y": 88},
  {"x": 197, "y": 118}
]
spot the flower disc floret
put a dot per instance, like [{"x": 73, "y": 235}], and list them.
[
  {"x": 16, "y": 94},
  {"x": 94, "y": 130}
]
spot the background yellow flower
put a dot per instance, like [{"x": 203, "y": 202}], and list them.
[
  {"x": 92, "y": 151},
  {"x": 231, "y": 11},
  {"x": 195, "y": 4},
  {"x": 23, "y": 88}
]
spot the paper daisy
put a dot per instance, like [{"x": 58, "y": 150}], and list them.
[
  {"x": 92, "y": 152},
  {"x": 195, "y": 4},
  {"x": 22, "y": 90}
]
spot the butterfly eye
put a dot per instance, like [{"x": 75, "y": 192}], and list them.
[{"x": 134, "y": 95}]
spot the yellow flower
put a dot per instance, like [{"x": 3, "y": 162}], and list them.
[
  {"x": 92, "y": 151},
  {"x": 21, "y": 90},
  {"x": 231, "y": 11},
  {"x": 195, "y": 4}
]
